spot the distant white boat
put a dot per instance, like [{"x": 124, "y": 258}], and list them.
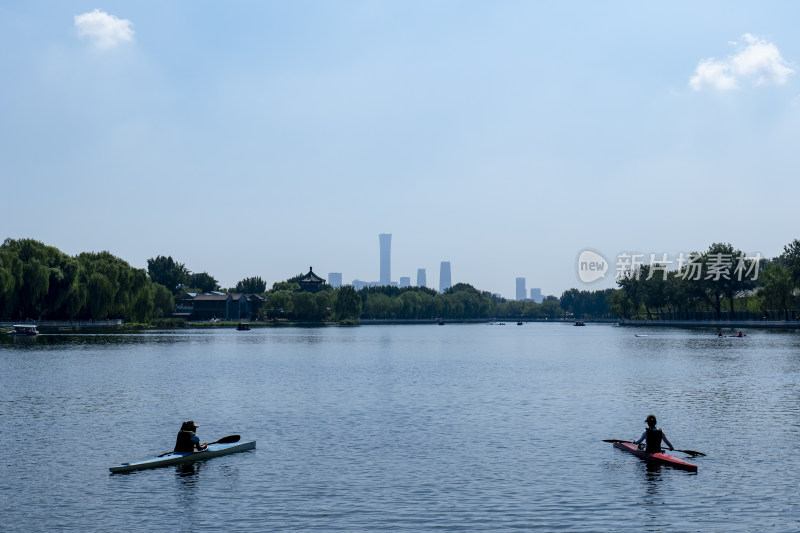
[{"x": 24, "y": 329}]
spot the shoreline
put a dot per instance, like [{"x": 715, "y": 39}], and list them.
[
  {"x": 713, "y": 324},
  {"x": 66, "y": 327}
]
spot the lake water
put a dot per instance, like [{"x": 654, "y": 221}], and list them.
[{"x": 406, "y": 428}]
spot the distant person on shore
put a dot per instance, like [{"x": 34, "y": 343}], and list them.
[
  {"x": 188, "y": 440},
  {"x": 653, "y": 436}
]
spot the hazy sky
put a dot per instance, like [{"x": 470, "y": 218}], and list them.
[{"x": 259, "y": 138}]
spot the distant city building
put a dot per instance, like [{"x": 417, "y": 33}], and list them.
[
  {"x": 536, "y": 295},
  {"x": 386, "y": 258},
  {"x": 444, "y": 276},
  {"x": 405, "y": 281},
  {"x": 421, "y": 277},
  {"x": 522, "y": 294},
  {"x": 358, "y": 284},
  {"x": 497, "y": 295},
  {"x": 335, "y": 279}
]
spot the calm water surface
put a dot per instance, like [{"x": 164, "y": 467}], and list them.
[{"x": 405, "y": 428}]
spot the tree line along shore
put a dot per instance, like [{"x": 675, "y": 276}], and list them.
[{"x": 39, "y": 282}]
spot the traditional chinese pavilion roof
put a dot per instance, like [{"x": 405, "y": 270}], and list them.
[{"x": 311, "y": 277}]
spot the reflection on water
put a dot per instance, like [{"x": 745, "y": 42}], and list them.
[
  {"x": 188, "y": 470},
  {"x": 651, "y": 474},
  {"x": 463, "y": 428}
]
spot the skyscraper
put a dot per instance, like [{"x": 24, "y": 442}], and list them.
[
  {"x": 522, "y": 294},
  {"x": 405, "y": 281},
  {"x": 421, "y": 282},
  {"x": 444, "y": 276},
  {"x": 335, "y": 279},
  {"x": 386, "y": 258},
  {"x": 536, "y": 295}
]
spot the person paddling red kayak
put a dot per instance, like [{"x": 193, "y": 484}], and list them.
[
  {"x": 653, "y": 437},
  {"x": 648, "y": 447}
]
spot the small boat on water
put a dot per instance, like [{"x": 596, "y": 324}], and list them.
[
  {"x": 657, "y": 458},
  {"x": 24, "y": 329},
  {"x": 579, "y": 323},
  {"x": 243, "y": 326},
  {"x": 213, "y": 450}
]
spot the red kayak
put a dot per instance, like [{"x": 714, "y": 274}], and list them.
[{"x": 660, "y": 458}]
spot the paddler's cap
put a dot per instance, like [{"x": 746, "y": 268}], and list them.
[
  {"x": 650, "y": 418},
  {"x": 189, "y": 424}
]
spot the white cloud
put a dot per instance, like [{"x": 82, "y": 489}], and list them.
[
  {"x": 759, "y": 62},
  {"x": 104, "y": 30},
  {"x": 713, "y": 74}
]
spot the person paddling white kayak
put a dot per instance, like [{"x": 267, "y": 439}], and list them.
[
  {"x": 653, "y": 436},
  {"x": 188, "y": 440}
]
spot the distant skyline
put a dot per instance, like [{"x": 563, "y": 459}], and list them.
[
  {"x": 259, "y": 139},
  {"x": 445, "y": 276},
  {"x": 521, "y": 292},
  {"x": 385, "y": 240}
]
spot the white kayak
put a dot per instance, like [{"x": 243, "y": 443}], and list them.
[{"x": 213, "y": 450}]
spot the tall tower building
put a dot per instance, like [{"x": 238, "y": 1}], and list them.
[
  {"x": 421, "y": 282},
  {"x": 444, "y": 276},
  {"x": 522, "y": 294},
  {"x": 405, "y": 281},
  {"x": 335, "y": 279},
  {"x": 386, "y": 258},
  {"x": 536, "y": 295}
]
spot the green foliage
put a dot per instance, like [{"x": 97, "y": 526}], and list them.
[
  {"x": 347, "y": 303},
  {"x": 167, "y": 272},
  {"x": 254, "y": 285},
  {"x": 279, "y": 304},
  {"x": 586, "y": 304},
  {"x": 287, "y": 285},
  {"x": 203, "y": 282},
  {"x": 168, "y": 322},
  {"x": 461, "y": 301},
  {"x": 40, "y": 282},
  {"x": 777, "y": 291},
  {"x": 163, "y": 301},
  {"x": 379, "y": 305},
  {"x": 620, "y": 304},
  {"x": 311, "y": 307},
  {"x": 719, "y": 279},
  {"x": 791, "y": 260}
]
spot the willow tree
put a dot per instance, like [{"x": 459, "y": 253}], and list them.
[{"x": 347, "y": 302}]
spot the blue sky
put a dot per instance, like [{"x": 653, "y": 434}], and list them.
[{"x": 258, "y": 138}]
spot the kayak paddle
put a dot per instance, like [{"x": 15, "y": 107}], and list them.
[
  {"x": 224, "y": 440},
  {"x": 690, "y": 452},
  {"x": 233, "y": 438}
]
